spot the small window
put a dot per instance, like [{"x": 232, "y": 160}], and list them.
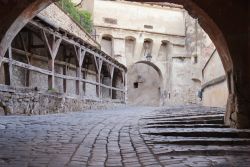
[
  {"x": 107, "y": 38},
  {"x": 110, "y": 20},
  {"x": 148, "y": 26},
  {"x": 118, "y": 55},
  {"x": 195, "y": 59},
  {"x": 136, "y": 84}
]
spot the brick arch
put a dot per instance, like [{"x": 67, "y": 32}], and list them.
[
  {"x": 141, "y": 75},
  {"x": 14, "y": 16},
  {"x": 107, "y": 36},
  {"x": 225, "y": 21},
  {"x": 130, "y": 38},
  {"x": 153, "y": 66}
]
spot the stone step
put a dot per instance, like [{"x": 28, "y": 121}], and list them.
[
  {"x": 197, "y": 118},
  {"x": 192, "y": 117},
  {"x": 199, "y": 132},
  {"x": 213, "y": 152},
  {"x": 187, "y": 126},
  {"x": 171, "y": 150},
  {"x": 180, "y": 115},
  {"x": 211, "y": 121},
  {"x": 200, "y": 141}
]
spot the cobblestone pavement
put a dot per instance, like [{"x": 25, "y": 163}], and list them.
[{"x": 132, "y": 136}]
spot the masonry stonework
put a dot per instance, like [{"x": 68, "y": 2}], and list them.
[
  {"x": 26, "y": 101},
  {"x": 178, "y": 48}
]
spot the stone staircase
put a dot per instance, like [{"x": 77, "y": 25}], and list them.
[{"x": 193, "y": 132}]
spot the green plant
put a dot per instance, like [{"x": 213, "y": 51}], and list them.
[{"x": 83, "y": 17}]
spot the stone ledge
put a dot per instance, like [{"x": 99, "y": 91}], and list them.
[
  {"x": 213, "y": 82},
  {"x": 28, "y": 101}
]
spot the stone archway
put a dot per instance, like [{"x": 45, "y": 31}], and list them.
[
  {"x": 14, "y": 16},
  {"x": 144, "y": 84},
  {"x": 216, "y": 18}
]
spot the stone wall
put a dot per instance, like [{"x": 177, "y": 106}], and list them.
[
  {"x": 56, "y": 16},
  {"x": 207, "y": 67},
  {"x": 213, "y": 68},
  {"x": 144, "y": 84},
  {"x": 181, "y": 91},
  {"x": 41, "y": 83},
  {"x": 127, "y": 45},
  {"x": 145, "y": 17},
  {"x": 27, "y": 101},
  {"x": 90, "y": 88},
  {"x": 216, "y": 93}
]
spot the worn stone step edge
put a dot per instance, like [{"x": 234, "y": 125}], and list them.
[
  {"x": 215, "y": 121},
  {"x": 194, "y": 117},
  {"x": 201, "y": 142},
  {"x": 202, "y": 134},
  {"x": 205, "y": 152},
  {"x": 187, "y": 126}
]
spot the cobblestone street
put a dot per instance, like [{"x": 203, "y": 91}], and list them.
[{"x": 132, "y": 136}]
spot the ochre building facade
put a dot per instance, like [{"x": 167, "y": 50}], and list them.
[{"x": 167, "y": 53}]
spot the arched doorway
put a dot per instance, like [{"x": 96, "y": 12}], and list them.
[
  {"x": 144, "y": 84},
  {"x": 230, "y": 41}
]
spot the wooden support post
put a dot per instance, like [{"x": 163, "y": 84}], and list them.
[
  {"x": 27, "y": 72},
  {"x": 64, "y": 70},
  {"x": 124, "y": 85},
  {"x": 80, "y": 57},
  {"x": 51, "y": 78},
  {"x": 78, "y": 75},
  {"x": 9, "y": 80},
  {"x": 65, "y": 80},
  {"x": 83, "y": 53},
  {"x": 53, "y": 49},
  {"x": 112, "y": 68},
  {"x": 78, "y": 69},
  {"x": 99, "y": 77}
]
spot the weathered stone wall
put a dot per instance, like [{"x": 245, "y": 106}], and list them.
[
  {"x": 145, "y": 17},
  {"x": 90, "y": 88},
  {"x": 106, "y": 91},
  {"x": 42, "y": 78},
  {"x": 207, "y": 65},
  {"x": 28, "y": 101},
  {"x": 213, "y": 68},
  {"x": 215, "y": 94},
  {"x": 180, "y": 53},
  {"x": 127, "y": 43},
  {"x": 141, "y": 89},
  {"x": 29, "y": 91},
  {"x": 181, "y": 83},
  {"x": 59, "y": 18}
]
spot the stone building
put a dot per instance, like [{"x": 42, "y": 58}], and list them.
[
  {"x": 53, "y": 65},
  {"x": 165, "y": 50},
  {"x": 207, "y": 68}
]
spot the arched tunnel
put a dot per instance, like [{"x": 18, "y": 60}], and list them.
[
  {"x": 137, "y": 137},
  {"x": 232, "y": 43}
]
